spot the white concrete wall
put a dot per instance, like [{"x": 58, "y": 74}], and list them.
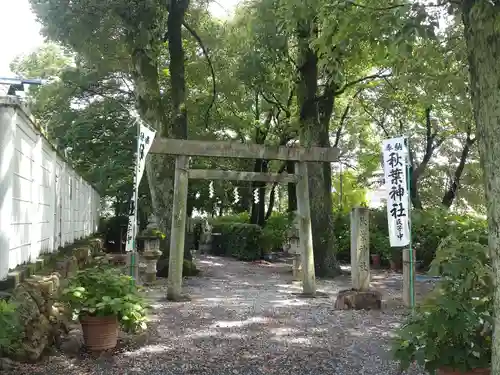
[{"x": 44, "y": 204}]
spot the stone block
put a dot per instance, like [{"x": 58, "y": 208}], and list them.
[
  {"x": 39, "y": 263},
  {"x": 352, "y": 299},
  {"x": 71, "y": 266},
  {"x": 5, "y": 296},
  {"x": 360, "y": 248},
  {"x": 96, "y": 245},
  {"x": 118, "y": 259},
  {"x": 13, "y": 279},
  {"x": 72, "y": 343},
  {"x": 61, "y": 266},
  {"x": 82, "y": 255}
]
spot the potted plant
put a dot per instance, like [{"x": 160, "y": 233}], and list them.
[
  {"x": 451, "y": 331},
  {"x": 375, "y": 260},
  {"x": 103, "y": 299}
]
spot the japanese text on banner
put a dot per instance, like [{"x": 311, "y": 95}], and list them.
[
  {"x": 395, "y": 172},
  {"x": 144, "y": 142}
]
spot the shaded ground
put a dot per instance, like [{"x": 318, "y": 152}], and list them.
[{"x": 245, "y": 319}]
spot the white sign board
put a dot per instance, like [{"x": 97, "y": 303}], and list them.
[
  {"x": 144, "y": 142},
  {"x": 395, "y": 172}
]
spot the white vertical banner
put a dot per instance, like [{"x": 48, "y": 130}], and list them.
[
  {"x": 395, "y": 153},
  {"x": 145, "y": 138}
]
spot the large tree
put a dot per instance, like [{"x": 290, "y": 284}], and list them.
[
  {"x": 128, "y": 36},
  {"x": 481, "y": 20}
]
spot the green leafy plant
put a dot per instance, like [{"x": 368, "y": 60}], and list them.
[
  {"x": 275, "y": 232},
  {"x": 152, "y": 232},
  {"x": 242, "y": 241},
  {"x": 11, "y": 328},
  {"x": 429, "y": 228},
  {"x": 104, "y": 291},
  {"x": 243, "y": 218},
  {"x": 452, "y": 328}
]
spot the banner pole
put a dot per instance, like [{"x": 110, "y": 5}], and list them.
[
  {"x": 410, "y": 244},
  {"x": 133, "y": 254}
]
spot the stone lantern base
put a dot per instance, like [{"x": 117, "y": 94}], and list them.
[
  {"x": 297, "y": 268},
  {"x": 151, "y": 259}
]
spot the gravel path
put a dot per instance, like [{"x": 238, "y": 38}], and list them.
[{"x": 245, "y": 319}]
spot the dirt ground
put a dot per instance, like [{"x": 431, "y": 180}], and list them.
[{"x": 245, "y": 318}]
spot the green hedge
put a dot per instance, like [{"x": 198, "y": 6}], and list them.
[
  {"x": 246, "y": 241},
  {"x": 429, "y": 228},
  {"x": 249, "y": 242},
  {"x": 240, "y": 240},
  {"x": 275, "y": 232}
]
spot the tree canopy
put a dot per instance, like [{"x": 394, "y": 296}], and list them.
[{"x": 345, "y": 74}]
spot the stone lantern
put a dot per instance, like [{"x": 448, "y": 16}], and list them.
[
  {"x": 294, "y": 249},
  {"x": 151, "y": 254}
]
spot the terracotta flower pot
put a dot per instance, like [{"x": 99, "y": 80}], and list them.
[
  {"x": 99, "y": 332},
  {"x": 375, "y": 260},
  {"x": 478, "y": 371}
]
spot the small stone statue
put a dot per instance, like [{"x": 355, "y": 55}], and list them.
[{"x": 152, "y": 222}]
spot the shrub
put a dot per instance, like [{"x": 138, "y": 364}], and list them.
[
  {"x": 379, "y": 235},
  {"x": 452, "y": 328},
  {"x": 242, "y": 241},
  {"x": 342, "y": 233},
  {"x": 429, "y": 228},
  {"x": 11, "y": 328},
  {"x": 188, "y": 268},
  {"x": 243, "y": 218},
  {"x": 275, "y": 232}
]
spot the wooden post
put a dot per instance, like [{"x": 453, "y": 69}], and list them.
[
  {"x": 305, "y": 231},
  {"x": 176, "y": 258},
  {"x": 360, "y": 248},
  {"x": 407, "y": 297}
]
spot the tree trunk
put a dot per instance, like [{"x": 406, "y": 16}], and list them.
[
  {"x": 258, "y": 209},
  {"x": 176, "y": 12},
  {"x": 431, "y": 144},
  {"x": 159, "y": 168},
  {"x": 292, "y": 192},
  {"x": 416, "y": 202},
  {"x": 451, "y": 193},
  {"x": 258, "y": 213},
  {"x": 314, "y": 133},
  {"x": 272, "y": 200},
  {"x": 482, "y": 34}
]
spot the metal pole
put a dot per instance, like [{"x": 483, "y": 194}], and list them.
[{"x": 341, "y": 193}]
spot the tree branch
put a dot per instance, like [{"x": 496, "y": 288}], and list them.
[
  {"x": 210, "y": 65},
  {"x": 355, "y": 82},
  {"x": 382, "y": 9},
  {"x": 343, "y": 118},
  {"x": 377, "y": 121},
  {"x": 451, "y": 193}
]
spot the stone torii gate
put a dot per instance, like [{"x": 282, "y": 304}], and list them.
[{"x": 183, "y": 149}]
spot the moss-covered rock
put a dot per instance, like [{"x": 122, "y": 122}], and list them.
[{"x": 33, "y": 300}]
